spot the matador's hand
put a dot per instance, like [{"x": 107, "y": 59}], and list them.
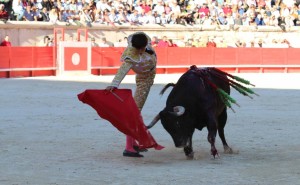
[{"x": 110, "y": 88}]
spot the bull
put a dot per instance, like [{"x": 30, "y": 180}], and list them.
[{"x": 194, "y": 103}]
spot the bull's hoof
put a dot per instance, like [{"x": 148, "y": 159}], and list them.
[
  {"x": 214, "y": 153},
  {"x": 228, "y": 150},
  {"x": 190, "y": 156}
]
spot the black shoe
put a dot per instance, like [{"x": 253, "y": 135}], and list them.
[
  {"x": 136, "y": 148},
  {"x": 131, "y": 154}
]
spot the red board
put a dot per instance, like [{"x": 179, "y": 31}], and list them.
[{"x": 75, "y": 59}]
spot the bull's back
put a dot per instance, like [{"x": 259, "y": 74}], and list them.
[{"x": 192, "y": 90}]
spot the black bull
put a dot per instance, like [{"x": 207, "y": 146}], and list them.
[{"x": 194, "y": 104}]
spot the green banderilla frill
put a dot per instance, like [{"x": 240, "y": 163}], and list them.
[{"x": 227, "y": 99}]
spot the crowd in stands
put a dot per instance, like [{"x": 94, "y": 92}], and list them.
[
  {"x": 196, "y": 41},
  {"x": 284, "y": 13},
  {"x": 233, "y": 13}
]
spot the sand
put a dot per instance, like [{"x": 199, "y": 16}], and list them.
[{"x": 48, "y": 137}]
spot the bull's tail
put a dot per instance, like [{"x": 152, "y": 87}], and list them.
[{"x": 166, "y": 87}]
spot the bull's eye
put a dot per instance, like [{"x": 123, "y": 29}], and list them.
[{"x": 177, "y": 124}]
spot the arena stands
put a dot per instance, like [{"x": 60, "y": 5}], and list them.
[{"x": 237, "y": 15}]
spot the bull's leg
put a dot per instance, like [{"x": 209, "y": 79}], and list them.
[
  {"x": 221, "y": 125},
  {"x": 212, "y": 132},
  {"x": 188, "y": 150}
]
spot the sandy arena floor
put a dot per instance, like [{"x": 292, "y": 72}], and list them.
[{"x": 48, "y": 137}]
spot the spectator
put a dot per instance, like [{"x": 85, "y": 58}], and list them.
[
  {"x": 60, "y": 5},
  {"x": 145, "y": 6},
  {"x": 163, "y": 42},
  {"x": 69, "y": 16},
  {"x": 211, "y": 43},
  {"x": 168, "y": 9},
  {"x": 113, "y": 16},
  {"x": 172, "y": 19},
  {"x": 19, "y": 9},
  {"x": 273, "y": 21},
  {"x": 6, "y": 41},
  {"x": 238, "y": 20},
  {"x": 238, "y": 44},
  {"x": 230, "y": 21},
  {"x": 92, "y": 6},
  {"x": 260, "y": 43},
  {"x": 157, "y": 17},
  {"x": 295, "y": 12},
  {"x": 159, "y": 7},
  {"x": 285, "y": 41},
  {"x": 242, "y": 9},
  {"x": 203, "y": 10},
  {"x": 34, "y": 3},
  {"x": 268, "y": 11},
  {"x": 124, "y": 42},
  {"x": 45, "y": 42},
  {"x": 94, "y": 44},
  {"x": 103, "y": 5},
  {"x": 121, "y": 43},
  {"x": 222, "y": 44},
  {"x": 29, "y": 15},
  {"x": 73, "y": 6},
  {"x": 163, "y": 19},
  {"x": 251, "y": 11},
  {"x": 196, "y": 42},
  {"x": 104, "y": 43},
  {"x": 175, "y": 7},
  {"x": 196, "y": 18},
  {"x": 81, "y": 4},
  {"x": 189, "y": 19},
  {"x": 147, "y": 18},
  {"x": 189, "y": 43},
  {"x": 53, "y": 15},
  {"x": 171, "y": 44},
  {"x": 259, "y": 20},
  {"x": 47, "y": 4},
  {"x": 3, "y": 14},
  {"x": 44, "y": 15},
  {"x": 266, "y": 19},
  {"x": 85, "y": 17},
  {"x": 206, "y": 21},
  {"x": 71, "y": 38},
  {"x": 134, "y": 18},
  {"x": 122, "y": 17},
  {"x": 227, "y": 9},
  {"x": 154, "y": 41}
]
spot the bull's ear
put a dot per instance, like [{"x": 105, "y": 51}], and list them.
[{"x": 178, "y": 111}]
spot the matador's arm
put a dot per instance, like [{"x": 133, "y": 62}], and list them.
[{"x": 123, "y": 70}]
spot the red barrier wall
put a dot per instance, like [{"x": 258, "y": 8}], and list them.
[{"x": 38, "y": 61}]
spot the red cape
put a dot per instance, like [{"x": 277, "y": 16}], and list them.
[{"x": 120, "y": 109}]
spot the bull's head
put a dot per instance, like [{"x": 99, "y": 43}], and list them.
[{"x": 174, "y": 122}]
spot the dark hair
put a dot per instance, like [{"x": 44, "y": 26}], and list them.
[{"x": 139, "y": 40}]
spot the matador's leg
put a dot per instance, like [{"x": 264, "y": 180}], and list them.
[{"x": 143, "y": 85}]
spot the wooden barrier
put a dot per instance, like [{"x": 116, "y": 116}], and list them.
[{"x": 38, "y": 61}]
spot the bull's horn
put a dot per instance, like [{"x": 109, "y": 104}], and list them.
[
  {"x": 178, "y": 110},
  {"x": 154, "y": 121}
]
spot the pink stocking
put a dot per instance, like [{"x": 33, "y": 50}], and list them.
[{"x": 130, "y": 142}]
